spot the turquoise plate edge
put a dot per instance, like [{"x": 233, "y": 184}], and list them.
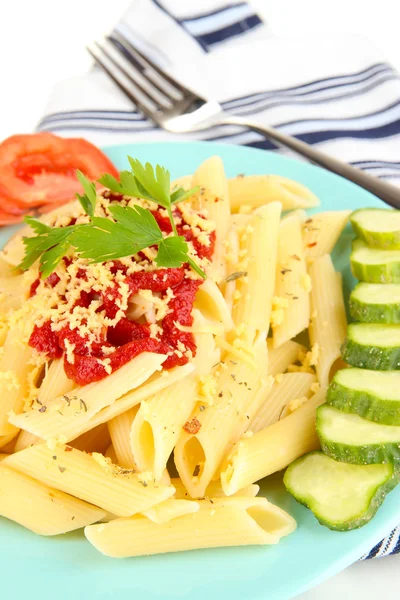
[{"x": 68, "y": 564}]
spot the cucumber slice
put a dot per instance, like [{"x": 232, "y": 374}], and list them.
[
  {"x": 378, "y": 227},
  {"x": 350, "y": 438},
  {"x": 373, "y": 395},
  {"x": 372, "y": 346},
  {"x": 376, "y": 303},
  {"x": 374, "y": 265},
  {"x": 341, "y": 496}
]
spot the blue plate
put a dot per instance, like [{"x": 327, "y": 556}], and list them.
[{"x": 48, "y": 568}]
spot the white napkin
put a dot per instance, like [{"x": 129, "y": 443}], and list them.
[{"x": 336, "y": 92}]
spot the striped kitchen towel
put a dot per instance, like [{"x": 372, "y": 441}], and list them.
[{"x": 335, "y": 92}]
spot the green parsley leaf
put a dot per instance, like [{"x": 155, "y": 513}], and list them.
[
  {"x": 37, "y": 226},
  {"x": 104, "y": 240},
  {"x": 88, "y": 200},
  {"x": 156, "y": 184},
  {"x": 180, "y": 195},
  {"x": 127, "y": 185},
  {"x": 172, "y": 252},
  {"x": 140, "y": 222},
  {"x": 49, "y": 246}
]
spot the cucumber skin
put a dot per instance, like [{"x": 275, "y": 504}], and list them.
[
  {"x": 375, "y": 273},
  {"x": 373, "y": 313},
  {"x": 361, "y": 455},
  {"x": 373, "y": 358},
  {"x": 381, "y": 273},
  {"x": 385, "y": 412},
  {"x": 375, "y": 503},
  {"x": 383, "y": 241}
]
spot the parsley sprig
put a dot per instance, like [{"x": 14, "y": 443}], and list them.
[{"x": 132, "y": 228}]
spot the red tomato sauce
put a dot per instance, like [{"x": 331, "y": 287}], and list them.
[{"x": 127, "y": 339}]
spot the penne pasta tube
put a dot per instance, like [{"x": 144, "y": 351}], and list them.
[
  {"x": 6, "y": 269},
  {"x": 5, "y": 440},
  {"x": 120, "y": 429},
  {"x": 328, "y": 316},
  {"x": 110, "y": 453},
  {"x": 158, "y": 424},
  {"x": 185, "y": 181},
  {"x": 55, "y": 383},
  {"x": 94, "y": 440},
  {"x": 26, "y": 439},
  {"x": 212, "y": 305},
  {"x": 156, "y": 383},
  {"x": 214, "y": 490},
  {"x": 280, "y": 358},
  {"x": 41, "y": 509},
  {"x": 292, "y": 284},
  {"x": 273, "y": 448},
  {"x": 255, "y": 289},
  {"x": 292, "y": 387},
  {"x": 171, "y": 509},
  {"x": 15, "y": 366},
  {"x": 255, "y": 522},
  {"x": 256, "y": 190},
  {"x": 90, "y": 477},
  {"x": 214, "y": 199},
  {"x": 322, "y": 231},
  {"x": 67, "y": 415},
  {"x": 161, "y": 417},
  {"x": 211, "y": 430}
]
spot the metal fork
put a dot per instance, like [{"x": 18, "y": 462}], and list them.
[{"x": 177, "y": 109}]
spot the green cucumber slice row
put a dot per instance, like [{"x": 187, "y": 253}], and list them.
[
  {"x": 372, "y": 346},
  {"x": 373, "y": 395},
  {"x": 375, "y": 303},
  {"x": 341, "y": 496},
  {"x": 350, "y": 438},
  {"x": 374, "y": 265},
  {"x": 378, "y": 227}
]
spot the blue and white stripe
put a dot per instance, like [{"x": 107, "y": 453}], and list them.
[{"x": 347, "y": 99}]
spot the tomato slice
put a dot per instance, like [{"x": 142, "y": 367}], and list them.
[{"x": 40, "y": 169}]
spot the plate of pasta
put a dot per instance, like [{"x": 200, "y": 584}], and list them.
[{"x": 171, "y": 342}]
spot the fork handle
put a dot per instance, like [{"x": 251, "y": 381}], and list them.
[{"x": 385, "y": 191}]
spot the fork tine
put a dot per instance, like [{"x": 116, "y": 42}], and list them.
[
  {"x": 121, "y": 81},
  {"x": 163, "y": 86},
  {"x": 158, "y": 99},
  {"x": 152, "y": 66}
]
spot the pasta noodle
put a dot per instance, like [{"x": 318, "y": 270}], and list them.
[
  {"x": 67, "y": 415},
  {"x": 255, "y": 288},
  {"x": 198, "y": 454},
  {"x": 256, "y": 457},
  {"x": 160, "y": 419},
  {"x": 291, "y": 388},
  {"x": 214, "y": 490},
  {"x": 322, "y": 231},
  {"x": 170, "y": 509},
  {"x": 292, "y": 284},
  {"x": 120, "y": 430},
  {"x": 89, "y": 477},
  {"x": 41, "y": 509},
  {"x": 256, "y": 190},
  {"x": 328, "y": 316},
  {"x": 280, "y": 358},
  {"x": 214, "y": 198},
  {"x": 256, "y": 521}
]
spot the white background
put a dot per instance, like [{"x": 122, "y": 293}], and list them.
[{"x": 42, "y": 41}]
